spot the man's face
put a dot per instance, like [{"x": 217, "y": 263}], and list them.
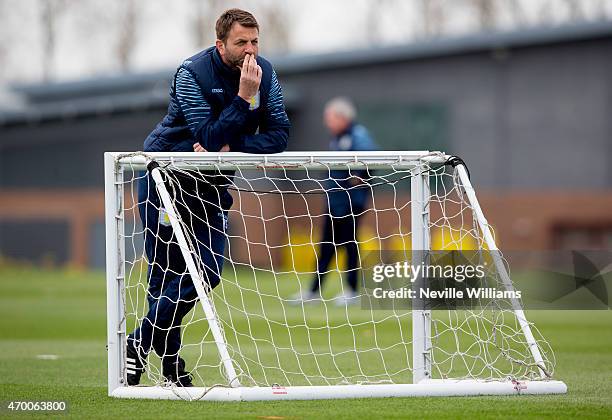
[
  {"x": 240, "y": 41},
  {"x": 335, "y": 122}
]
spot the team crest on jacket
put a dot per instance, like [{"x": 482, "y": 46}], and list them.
[
  {"x": 164, "y": 217},
  {"x": 254, "y": 102}
]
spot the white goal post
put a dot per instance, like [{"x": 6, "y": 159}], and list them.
[{"x": 250, "y": 337}]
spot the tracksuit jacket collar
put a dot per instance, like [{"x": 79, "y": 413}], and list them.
[
  {"x": 223, "y": 68},
  {"x": 346, "y": 131}
]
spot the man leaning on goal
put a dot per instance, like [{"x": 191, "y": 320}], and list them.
[{"x": 219, "y": 100}]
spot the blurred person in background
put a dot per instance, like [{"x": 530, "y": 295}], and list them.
[{"x": 347, "y": 197}]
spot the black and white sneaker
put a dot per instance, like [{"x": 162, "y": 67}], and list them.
[
  {"x": 175, "y": 373},
  {"x": 134, "y": 365}
]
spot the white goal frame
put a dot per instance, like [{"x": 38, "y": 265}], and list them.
[{"x": 422, "y": 383}]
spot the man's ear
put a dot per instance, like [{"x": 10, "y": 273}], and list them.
[{"x": 220, "y": 46}]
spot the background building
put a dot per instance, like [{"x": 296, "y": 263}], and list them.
[{"x": 527, "y": 110}]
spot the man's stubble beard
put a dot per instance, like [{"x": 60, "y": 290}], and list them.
[{"x": 235, "y": 62}]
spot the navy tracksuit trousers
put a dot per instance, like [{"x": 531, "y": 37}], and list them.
[
  {"x": 340, "y": 230},
  {"x": 171, "y": 293}
]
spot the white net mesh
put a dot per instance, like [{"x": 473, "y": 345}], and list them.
[{"x": 275, "y": 330}]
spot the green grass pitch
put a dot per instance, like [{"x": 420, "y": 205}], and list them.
[{"x": 63, "y": 313}]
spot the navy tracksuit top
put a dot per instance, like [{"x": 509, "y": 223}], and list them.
[
  {"x": 345, "y": 198},
  {"x": 210, "y": 90},
  {"x": 204, "y": 108}
]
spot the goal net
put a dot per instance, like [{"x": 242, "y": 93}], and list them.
[{"x": 242, "y": 293}]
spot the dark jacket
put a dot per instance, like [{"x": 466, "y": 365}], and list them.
[
  {"x": 204, "y": 108},
  {"x": 346, "y": 198},
  {"x": 230, "y": 120}
]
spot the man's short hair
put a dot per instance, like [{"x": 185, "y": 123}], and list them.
[
  {"x": 342, "y": 106},
  {"x": 229, "y": 17}
]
